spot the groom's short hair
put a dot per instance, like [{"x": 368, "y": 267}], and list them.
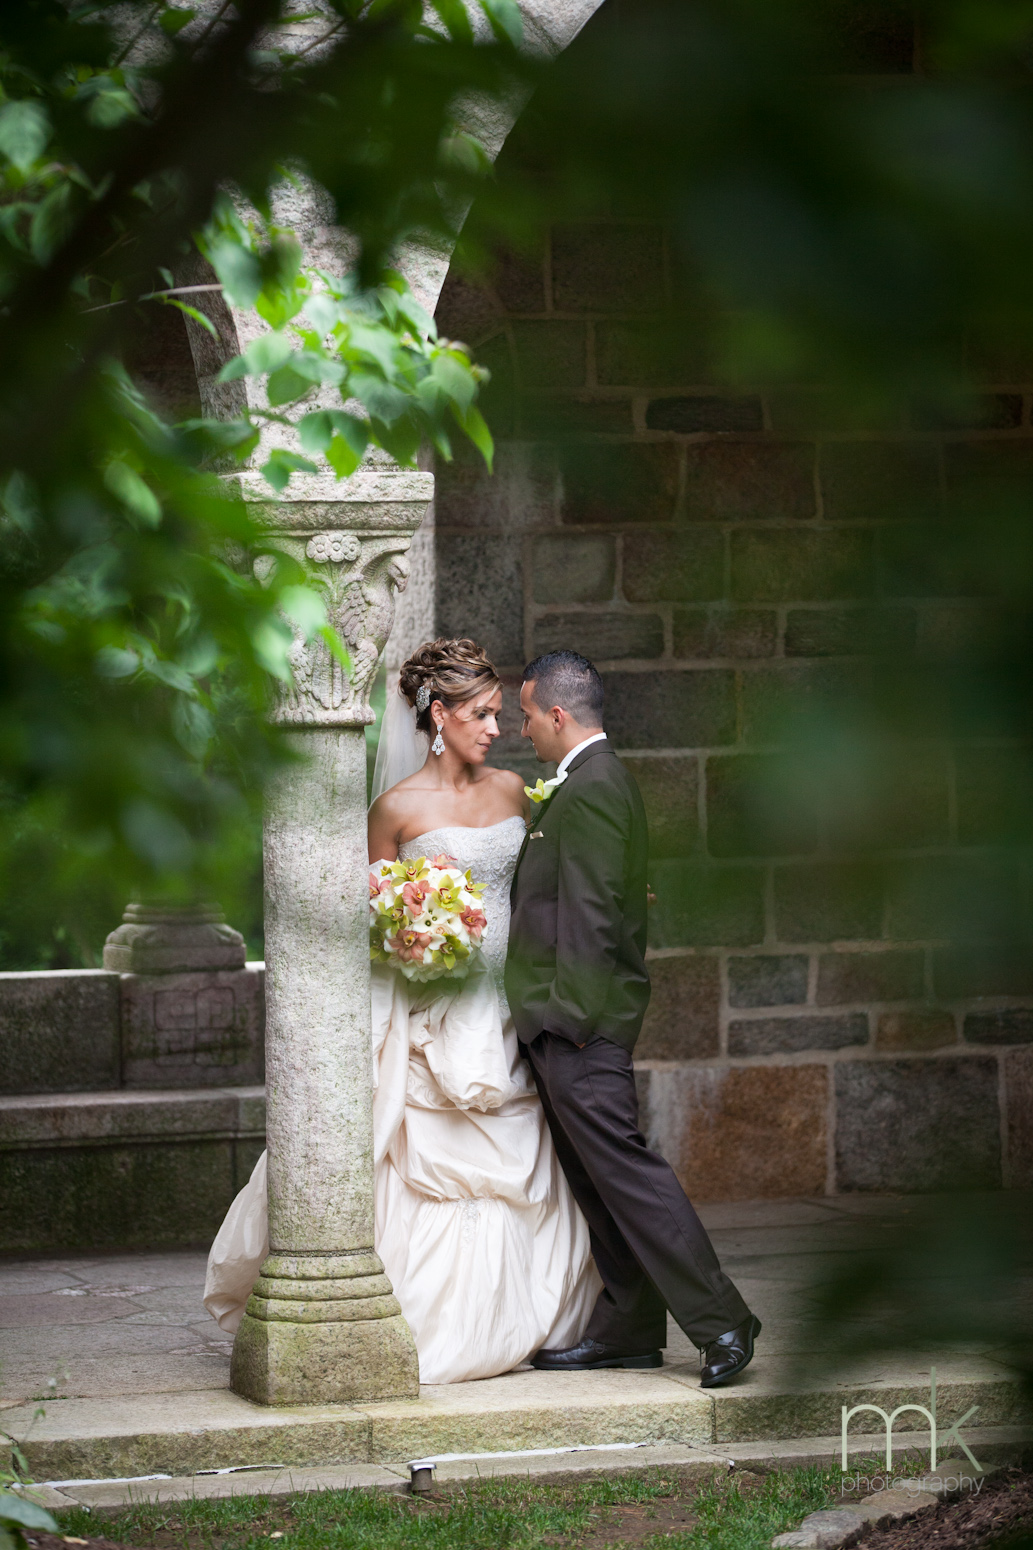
[{"x": 570, "y": 681}]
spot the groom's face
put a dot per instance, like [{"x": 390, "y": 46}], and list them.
[{"x": 541, "y": 726}]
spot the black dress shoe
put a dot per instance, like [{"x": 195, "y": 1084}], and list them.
[
  {"x": 728, "y": 1354},
  {"x": 587, "y": 1355}
]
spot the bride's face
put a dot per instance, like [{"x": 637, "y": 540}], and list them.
[{"x": 472, "y": 727}]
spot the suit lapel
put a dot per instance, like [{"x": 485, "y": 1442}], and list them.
[
  {"x": 538, "y": 812},
  {"x": 543, "y": 807}
]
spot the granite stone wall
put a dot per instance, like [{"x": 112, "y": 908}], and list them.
[
  {"x": 813, "y": 640},
  {"x": 131, "y": 1105}
]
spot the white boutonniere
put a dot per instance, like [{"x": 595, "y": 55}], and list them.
[{"x": 542, "y": 790}]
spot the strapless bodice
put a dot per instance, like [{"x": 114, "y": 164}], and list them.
[{"x": 490, "y": 854}]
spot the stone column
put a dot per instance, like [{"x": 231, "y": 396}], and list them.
[{"x": 322, "y": 1323}]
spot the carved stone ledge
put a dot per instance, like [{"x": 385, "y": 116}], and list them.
[{"x": 373, "y": 501}]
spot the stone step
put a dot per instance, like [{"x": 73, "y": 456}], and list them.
[
  {"x": 124, "y": 1167},
  {"x": 52, "y": 1120},
  {"x": 180, "y": 1434},
  {"x": 994, "y": 1447}
]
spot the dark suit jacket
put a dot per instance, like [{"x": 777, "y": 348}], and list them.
[{"x": 577, "y": 937}]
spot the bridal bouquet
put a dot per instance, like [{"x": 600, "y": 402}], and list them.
[{"x": 426, "y": 918}]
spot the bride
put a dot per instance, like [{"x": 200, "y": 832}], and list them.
[{"x": 487, "y": 1252}]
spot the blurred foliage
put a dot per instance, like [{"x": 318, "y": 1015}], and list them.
[
  {"x": 137, "y": 647},
  {"x": 847, "y": 184},
  {"x": 953, "y": 1272},
  {"x": 847, "y": 193},
  {"x": 842, "y": 196}
]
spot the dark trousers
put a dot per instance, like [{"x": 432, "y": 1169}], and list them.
[{"x": 650, "y": 1247}]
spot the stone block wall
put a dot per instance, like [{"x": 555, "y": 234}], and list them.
[
  {"x": 89, "y": 1030},
  {"x": 812, "y": 639},
  {"x": 131, "y": 1110}
]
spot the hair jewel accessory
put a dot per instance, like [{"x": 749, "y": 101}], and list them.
[{"x": 422, "y": 698}]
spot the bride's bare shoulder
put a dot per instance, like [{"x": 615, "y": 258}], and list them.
[
  {"x": 397, "y": 801},
  {"x": 506, "y": 782}
]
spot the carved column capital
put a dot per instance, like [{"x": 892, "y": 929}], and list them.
[{"x": 354, "y": 535}]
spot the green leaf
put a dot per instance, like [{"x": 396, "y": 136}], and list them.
[
  {"x": 24, "y": 132},
  {"x": 474, "y": 425},
  {"x": 192, "y": 312},
  {"x": 116, "y": 662},
  {"x": 11, "y": 1541},
  {"x": 322, "y": 312},
  {"x": 306, "y": 608},
  {"x": 336, "y": 646},
  {"x": 287, "y": 384},
  {"x": 505, "y": 20},
  {"x": 453, "y": 14},
  {"x": 237, "y": 269},
  {"x": 110, "y": 107},
  {"x": 441, "y": 442},
  {"x": 339, "y": 435},
  {"x": 170, "y": 673},
  {"x": 382, "y": 400},
  {"x": 271, "y": 640},
  {"x": 342, "y": 457},
  {"x": 316, "y": 430},
  {"x": 16, "y": 1509},
  {"x": 319, "y": 367},
  {"x": 51, "y": 222},
  {"x": 267, "y": 353},
  {"x": 20, "y": 502},
  {"x": 461, "y": 152},
  {"x": 133, "y": 492},
  {"x": 376, "y": 341},
  {"x": 455, "y": 377},
  {"x": 193, "y": 726},
  {"x": 277, "y": 471},
  {"x": 173, "y": 20},
  {"x": 401, "y": 438},
  {"x": 264, "y": 354}
]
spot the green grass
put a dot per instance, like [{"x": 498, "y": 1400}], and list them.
[{"x": 742, "y": 1513}]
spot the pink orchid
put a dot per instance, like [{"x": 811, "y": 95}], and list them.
[
  {"x": 444, "y": 861},
  {"x": 474, "y": 920},
  {"x": 414, "y": 895},
  {"x": 410, "y": 945}
]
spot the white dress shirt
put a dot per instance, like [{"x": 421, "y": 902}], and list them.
[{"x": 596, "y": 737}]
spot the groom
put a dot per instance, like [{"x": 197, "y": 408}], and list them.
[{"x": 578, "y": 986}]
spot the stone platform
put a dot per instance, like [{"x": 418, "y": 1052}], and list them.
[{"x": 133, "y": 1375}]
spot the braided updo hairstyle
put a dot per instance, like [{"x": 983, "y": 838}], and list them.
[{"x": 452, "y": 670}]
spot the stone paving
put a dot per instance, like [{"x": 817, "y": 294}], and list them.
[{"x": 134, "y": 1374}]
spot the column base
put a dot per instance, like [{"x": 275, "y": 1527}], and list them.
[{"x": 323, "y": 1329}]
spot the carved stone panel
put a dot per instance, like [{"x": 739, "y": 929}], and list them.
[
  {"x": 193, "y": 1030},
  {"x": 361, "y": 579},
  {"x": 355, "y": 544}
]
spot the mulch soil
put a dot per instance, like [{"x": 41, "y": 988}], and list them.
[
  {"x": 633, "y": 1524},
  {"x": 1002, "y": 1510}
]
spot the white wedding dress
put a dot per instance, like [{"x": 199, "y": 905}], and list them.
[{"x": 484, "y": 1245}]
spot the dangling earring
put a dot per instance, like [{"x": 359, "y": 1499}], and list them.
[{"x": 438, "y": 745}]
